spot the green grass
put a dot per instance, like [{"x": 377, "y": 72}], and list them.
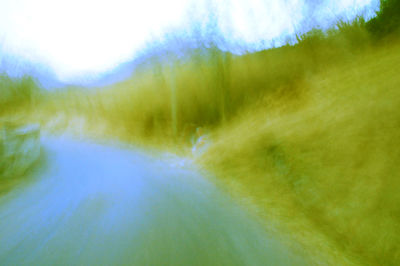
[
  {"x": 164, "y": 102},
  {"x": 17, "y": 92},
  {"x": 305, "y": 135},
  {"x": 325, "y": 166}
]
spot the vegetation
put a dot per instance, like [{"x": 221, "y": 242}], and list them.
[
  {"x": 306, "y": 134},
  {"x": 166, "y": 102},
  {"x": 16, "y": 92},
  {"x": 387, "y": 21},
  {"x": 328, "y": 155},
  {"x": 18, "y": 98}
]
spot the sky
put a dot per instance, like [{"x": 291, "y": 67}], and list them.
[{"x": 79, "y": 40}]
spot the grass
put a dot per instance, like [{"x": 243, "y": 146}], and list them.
[
  {"x": 19, "y": 154},
  {"x": 16, "y": 93},
  {"x": 165, "y": 101},
  {"x": 325, "y": 165},
  {"x": 306, "y": 135}
]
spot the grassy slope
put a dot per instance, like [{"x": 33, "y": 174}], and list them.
[
  {"x": 15, "y": 93},
  {"x": 326, "y": 169},
  {"x": 208, "y": 89},
  {"x": 306, "y": 134},
  {"x": 310, "y": 138}
]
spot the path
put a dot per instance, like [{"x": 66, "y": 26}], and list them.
[{"x": 96, "y": 204}]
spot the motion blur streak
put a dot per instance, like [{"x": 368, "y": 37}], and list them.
[
  {"x": 303, "y": 136},
  {"x": 81, "y": 40},
  {"x": 99, "y": 205}
]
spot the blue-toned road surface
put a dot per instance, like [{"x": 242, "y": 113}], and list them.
[{"x": 95, "y": 204}]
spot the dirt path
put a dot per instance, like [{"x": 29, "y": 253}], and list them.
[{"x": 102, "y": 205}]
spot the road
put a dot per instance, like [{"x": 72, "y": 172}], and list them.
[{"x": 96, "y": 204}]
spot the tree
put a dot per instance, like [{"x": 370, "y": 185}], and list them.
[{"x": 387, "y": 20}]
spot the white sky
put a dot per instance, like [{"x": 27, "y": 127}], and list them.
[{"x": 76, "y": 38}]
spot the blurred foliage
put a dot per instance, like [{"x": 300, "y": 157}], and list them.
[
  {"x": 170, "y": 99},
  {"x": 324, "y": 165},
  {"x": 307, "y": 133},
  {"x": 387, "y": 20},
  {"x": 16, "y": 92}
]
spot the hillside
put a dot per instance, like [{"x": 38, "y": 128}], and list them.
[
  {"x": 305, "y": 135},
  {"x": 324, "y": 166}
]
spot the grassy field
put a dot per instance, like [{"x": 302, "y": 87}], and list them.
[
  {"x": 324, "y": 166},
  {"x": 304, "y": 135},
  {"x": 167, "y": 99}
]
